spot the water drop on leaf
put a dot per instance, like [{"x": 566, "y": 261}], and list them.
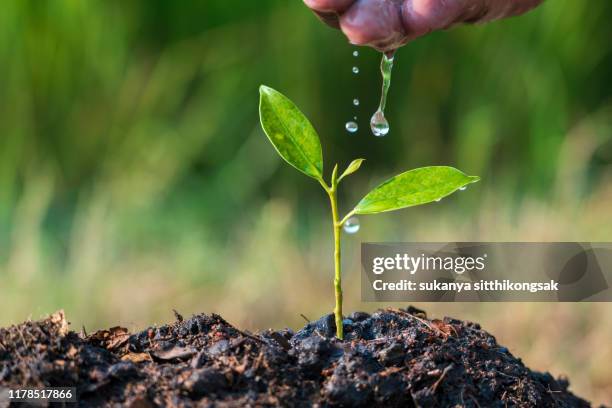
[{"x": 351, "y": 226}]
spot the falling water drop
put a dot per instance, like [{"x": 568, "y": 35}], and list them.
[
  {"x": 355, "y": 53},
  {"x": 378, "y": 123},
  {"x": 355, "y": 70},
  {"x": 351, "y": 127},
  {"x": 356, "y": 102},
  {"x": 351, "y": 226}
]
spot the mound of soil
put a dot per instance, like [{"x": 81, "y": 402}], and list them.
[{"x": 392, "y": 358}]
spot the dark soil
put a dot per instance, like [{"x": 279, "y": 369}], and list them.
[{"x": 390, "y": 358}]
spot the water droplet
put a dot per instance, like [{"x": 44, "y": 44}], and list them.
[
  {"x": 356, "y": 102},
  {"x": 438, "y": 200},
  {"x": 351, "y": 127},
  {"x": 355, "y": 53},
  {"x": 351, "y": 226},
  {"x": 463, "y": 188},
  {"x": 379, "y": 124},
  {"x": 355, "y": 70},
  {"x": 354, "y": 117}
]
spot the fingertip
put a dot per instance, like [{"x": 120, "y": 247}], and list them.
[
  {"x": 420, "y": 17},
  {"x": 327, "y": 6},
  {"x": 374, "y": 23}
]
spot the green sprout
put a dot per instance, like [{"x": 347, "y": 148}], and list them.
[{"x": 296, "y": 141}]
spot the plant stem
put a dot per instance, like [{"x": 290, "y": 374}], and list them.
[{"x": 337, "y": 259}]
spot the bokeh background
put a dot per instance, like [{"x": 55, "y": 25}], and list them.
[{"x": 134, "y": 177}]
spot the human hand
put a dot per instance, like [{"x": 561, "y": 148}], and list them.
[{"x": 388, "y": 24}]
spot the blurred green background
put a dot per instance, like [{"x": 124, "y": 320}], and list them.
[{"x": 134, "y": 177}]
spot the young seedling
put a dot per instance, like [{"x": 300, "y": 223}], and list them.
[{"x": 296, "y": 141}]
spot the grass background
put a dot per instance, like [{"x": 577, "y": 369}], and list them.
[{"x": 134, "y": 177}]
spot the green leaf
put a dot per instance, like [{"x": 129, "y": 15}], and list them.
[
  {"x": 414, "y": 187},
  {"x": 292, "y": 135},
  {"x": 353, "y": 167}
]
